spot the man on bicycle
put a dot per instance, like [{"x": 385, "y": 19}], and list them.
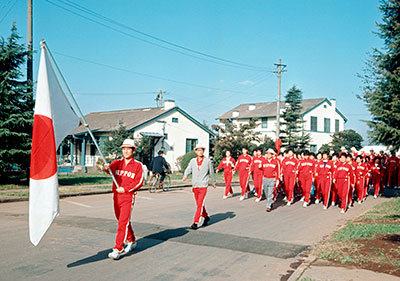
[{"x": 159, "y": 166}]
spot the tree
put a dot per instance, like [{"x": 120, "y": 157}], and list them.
[
  {"x": 144, "y": 149},
  {"x": 16, "y": 105},
  {"x": 111, "y": 146},
  {"x": 326, "y": 147},
  {"x": 234, "y": 137},
  {"x": 346, "y": 138},
  {"x": 267, "y": 143},
  {"x": 381, "y": 91},
  {"x": 293, "y": 135}
]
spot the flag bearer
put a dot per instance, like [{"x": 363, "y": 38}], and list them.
[
  {"x": 243, "y": 165},
  {"x": 128, "y": 173}
]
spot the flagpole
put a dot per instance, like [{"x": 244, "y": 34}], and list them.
[{"x": 85, "y": 123}]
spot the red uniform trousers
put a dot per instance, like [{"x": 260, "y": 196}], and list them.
[
  {"x": 258, "y": 182},
  {"x": 289, "y": 181},
  {"x": 200, "y": 197},
  {"x": 244, "y": 180},
  {"x": 360, "y": 188},
  {"x": 325, "y": 183},
  {"x": 317, "y": 188},
  {"x": 123, "y": 205},
  {"x": 334, "y": 192},
  {"x": 391, "y": 176},
  {"x": 306, "y": 183},
  {"x": 228, "y": 182},
  {"x": 377, "y": 182},
  {"x": 351, "y": 191},
  {"x": 343, "y": 188}
]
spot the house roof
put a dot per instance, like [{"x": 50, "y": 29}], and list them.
[
  {"x": 131, "y": 118},
  {"x": 268, "y": 109}
]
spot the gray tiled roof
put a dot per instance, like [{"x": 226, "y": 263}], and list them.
[
  {"x": 267, "y": 109},
  {"x": 109, "y": 120}
]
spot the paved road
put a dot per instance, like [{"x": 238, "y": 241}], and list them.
[{"x": 242, "y": 242}]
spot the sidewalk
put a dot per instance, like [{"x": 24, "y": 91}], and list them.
[{"x": 315, "y": 269}]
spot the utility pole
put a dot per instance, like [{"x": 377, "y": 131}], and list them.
[
  {"x": 29, "y": 64},
  {"x": 281, "y": 68}
]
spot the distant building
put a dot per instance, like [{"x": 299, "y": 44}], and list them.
[
  {"x": 322, "y": 118},
  {"x": 170, "y": 128}
]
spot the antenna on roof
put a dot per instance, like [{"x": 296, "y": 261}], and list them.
[{"x": 159, "y": 98}]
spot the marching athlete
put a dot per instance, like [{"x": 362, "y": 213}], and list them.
[
  {"x": 243, "y": 165},
  {"x": 129, "y": 175},
  {"x": 305, "y": 174},
  {"x": 323, "y": 171},
  {"x": 201, "y": 169},
  {"x": 271, "y": 177},
  {"x": 289, "y": 165},
  {"x": 377, "y": 175},
  {"x": 361, "y": 173},
  {"x": 343, "y": 177},
  {"x": 257, "y": 168},
  {"x": 228, "y": 163},
  {"x": 391, "y": 166}
]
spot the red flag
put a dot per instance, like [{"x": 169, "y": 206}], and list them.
[
  {"x": 53, "y": 120},
  {"x": 278, "y": 144}
]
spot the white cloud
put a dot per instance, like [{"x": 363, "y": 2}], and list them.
[{"x": 246, "y": 82}]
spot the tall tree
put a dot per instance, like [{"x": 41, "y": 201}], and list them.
[
  {"x": 233, "y": 137},
  {"x": 292, "y": 134},
  {"x": 111, "y": 146},
  {"x": 381, "y": 91},
  {"x": 16, "y": 105},
  {"x": 346, "y": 138}
]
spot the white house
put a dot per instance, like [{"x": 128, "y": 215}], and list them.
[
  {"x": 322, "y": 118},
  {"x": 170, "y": 128}
]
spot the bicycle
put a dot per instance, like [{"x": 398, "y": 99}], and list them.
[{"x": 155, "y": 183}]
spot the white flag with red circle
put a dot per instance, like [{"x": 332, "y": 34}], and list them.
[{"x": 53, "y": 120}]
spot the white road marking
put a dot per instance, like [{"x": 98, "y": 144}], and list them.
[
  {"x": 144, "y": 197},
  {"x": 78, "y": 204}
]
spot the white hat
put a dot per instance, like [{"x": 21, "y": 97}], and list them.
[
  {"x": 353, "y": 149},
  {"x": 342, "y": 148},
  {"x": 128, "y": 143},
  {"x": 199, "y": 146},
  {"x": 270, "y": 150}
]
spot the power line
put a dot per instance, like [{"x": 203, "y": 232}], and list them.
[
  {"x": 216, "y": 60},
  {"x": 151, "y": 75},
  {"x": 113, "y": 93},
  {"x": 9, "y": 10}
]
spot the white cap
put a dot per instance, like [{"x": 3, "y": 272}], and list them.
[
  {"x": 353, "y": 149},
  {"x": 128, "y": 143},
  {"x": 199, "y": 146},
  {"x": 342, "y": 148},
  {"x": 270, "y": 150}
]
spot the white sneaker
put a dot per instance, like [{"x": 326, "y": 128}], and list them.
[
  {"x": 305, "y": 204},
  {"x": 302, "y": 199},
  {"x": 342, "y": 211},
  {"x": 224, "y": 197},
  {"x": 375, "y": 196},
  {"x": 325, "y": 208},
  {"x": 241, "y": 198},
  {"x": 285, "y": 198},
  {"x": 317, "y": 201},
  {"x": 255, "y": 194},
  {"x": 246, "y": 195},
  {"x": 258, "y": 199},
  {"x": 288, "y": 203},
  {"x": 230, "y": 195},
  {"x": 333, "y": 204},
  {"x": 130, "y": 246},
  {"x": 115, "y": 254},
  {"x": 359, "y": 202}
]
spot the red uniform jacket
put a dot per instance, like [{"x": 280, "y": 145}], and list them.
[
  {"x": 243, "y": 163},
  {"x": 305, "y": 168},
  {"x": 227, "y": 164},
  {"x": 257, "y": 165},
  {"x": 392, "y": 163},
  {"x": 324, "y": 168},
  {"x": 130, "y": 177},
  {"x": 344, "y": 171},
  {"x": 361, "y": 170},
  {"x": 377, "y": 172},
  {"x": 271, "y": 168},
  {"x": 289, "y": 165}
]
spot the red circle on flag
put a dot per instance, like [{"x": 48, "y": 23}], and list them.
[{"x": 43, "y": 154}]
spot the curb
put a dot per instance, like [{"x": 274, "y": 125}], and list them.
[{"x": 302, "y": 268}]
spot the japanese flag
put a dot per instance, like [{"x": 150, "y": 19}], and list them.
[{"x": 53, "y": 120}]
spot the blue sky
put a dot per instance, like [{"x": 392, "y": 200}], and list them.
[{"x": 324, "y": 44}]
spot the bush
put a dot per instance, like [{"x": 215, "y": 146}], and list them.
[{"x": 183, "y": 161}]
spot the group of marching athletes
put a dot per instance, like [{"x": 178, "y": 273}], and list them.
[{"x": 331, "y": 178}]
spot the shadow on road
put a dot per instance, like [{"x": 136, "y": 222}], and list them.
[{"x": 151, "y": 240}]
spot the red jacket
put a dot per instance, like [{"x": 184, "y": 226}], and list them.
[
  {"x": 271, "y": 168},
  {"x": 130, "y": 177},
  {"x": 324, "y": 168},
  {"x": 392, "y": 163},
  {"x": 227, "y": 164},
  {"x": 257, "y": 165},
  {"x": 289, "y": 165},
  {"x": 305, "y": 168},
  {"x": 361, "y": 170},
  {"x": 344, "y": 171},
  {"x": 377, "y": 172},
  {"x": 243, "y": 163}
]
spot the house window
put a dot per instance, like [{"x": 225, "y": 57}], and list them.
[
  {"x": 175, "y": 120},
  {"x": 324, "y": 105},
  {"x": 190, "y": 144},
  {"x": 165, "y": 136},
  {"x": 336, "y": 125},
  {"x": 264, "y": 122},
  {"x": 327, "y": 125},
  {"x": 313, "y": 148},
  {"x": 314, "y": 123}
]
